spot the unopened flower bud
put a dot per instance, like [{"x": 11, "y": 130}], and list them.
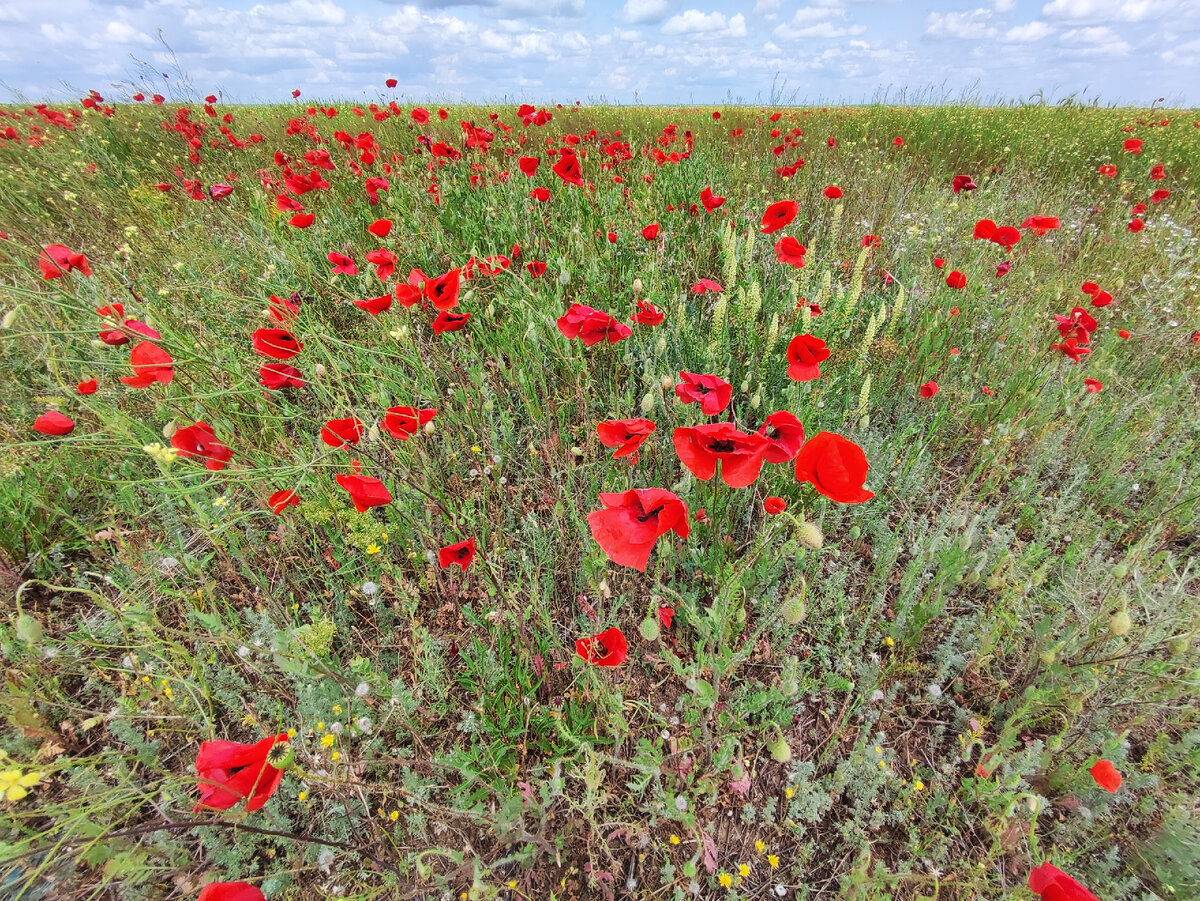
[
  {"x": 319, "y": 370},
  {"x": 649, "y": 629},
  {"x": 648, "y": 402},
  {"x": 429, "y": 428},
  {"x": 668, "y": 383},
  {"x": 781, "y": 752},
  {"x": 794, "y": 609},
  {"x": 810, "y": 535},
  {"x": 1120, "y": 623},
  {"x": 169, "y": 429},
  {"x": 637, "y": 287},
  {"x": 564, "y": 278}
]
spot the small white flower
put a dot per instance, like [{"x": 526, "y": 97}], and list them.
[
  {"x": 362, "y": 689},
  {"x": 364, "y": 724},
  {"x": 243, "y": 652},
  {"x": 370, "y": 589},
  {"x": 681, "y": 803}
]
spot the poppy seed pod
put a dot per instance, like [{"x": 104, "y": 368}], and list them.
[
  {"x": 794, "y": 609},
  {"x": 649, "y": 630}
]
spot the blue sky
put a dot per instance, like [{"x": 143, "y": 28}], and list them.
[{"x": 648, "y": 51}]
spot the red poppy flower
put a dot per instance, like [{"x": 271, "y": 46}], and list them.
[
  {"x": 277, "y": 343},
  {"x": 592, "y": 326},
  {"x": 381, "y": 228},
  {"x": 665, "y": 615},
  {"x": 836, "y": 467},
  {"x": 529, "y": 165},
  {"x": 408, "y": 294},
  {"x": 342, "y": 264},
  {"x": 1003, "y": 269},
  {"x": 282, "y": 499},
  {"x": 150, "y": 364},
  {"x": 365, "y": 491},
  {"x": 612, "y": 237},
  {"x": 779, "y": 215},
  {"x": 1159, "y": 196},
  {"x": 785, "y": 434},
  {"x": 805, "y": 354},
  {"x": 302, "y": 220},
  {"x": 1158, "y": 173},
  {"x": 375, "y": 305},
  {"x": 403, "y": 422},
  {"x": 568, "y": 169},
  {"x": 230, "y": 891},
  {"x": 1125, "y": 335},
  {"x": 648, "y": 314},
  {"x": 1093, "y": 386},
  {"x": 537, "y": 268},
  {"x": 929, "y": 389},
  {"x": 705, "y": 285},
  {"x": 1135, "y": 225},
  {"x": 57, "y": 260},
  {"x": 609, "y": 648},
  {"x": 54, "y": 423},
  {"x": 461, "y": 554},
  {"x": 275, "y": 376},
  {"x": 420, "y": 115},
  {"x": 984, "y": 230},
  {"x": 216, "y": 192},
  {"x": 650, "y": 232},
  {"x": 710, "y": 201},
  {"x": 1052, "y": 884},
  {"x": 740, "y": 454},
  {"x": 201, "y": 442},
  {"x": 710, "y": 392},
  {"x": 873, "y": 241},
  {"x": 774, "y": 505},
  {"x": 833, "y": 192},
  {"x": 1103, "y": 772},
  {"x": 541, "y": 195},
  {"x": 963, "y": 183},
  {"x": 384, "y": 261},
  {"x": 87, "y": 387},
  {"x": 1110, "y": 171},
  {"x": 1133, "y": 145},
  {"x": 634, "y": 520},
  {"x": 450, "y": 322},
  {"x": 938, "y": 262},
  {"x": 443, "y": 290},
  {"x": 956, "y": 280},
  {"x": 1039, "y": 225},
  {"x": 232, "y": 772},
  {"x": 342, "y": 432},
  {"x": 790, "y": 252},
  {"x": 626, "y": 435},
  {"x": 1072, "y": 348}
]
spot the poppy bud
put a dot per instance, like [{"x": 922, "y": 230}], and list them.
[
  {"x": 810, "y": 535},
  {"x": 169, "y": 429},
  {"x": 576, "y": 451},
  {"x": 1075, "y": 705},
  {"x": 649, "y": 629},
  {"x": 794, "y": 609},
  {"x": 9, "y": 318},
  {"x": 993, "y": 582},
  {"x": 745, "y": 386},
  {"x": 1120, "y": 623},
  {"x": 781, "y": 752},
  {"x": 637, "y": 287},
  {"x": 1120, "y": 571},
  {"x": 429, "y": 428},
  {"x": 855, "y": 532},
  {"x": 1047, "y": 656},
  {"x": 668, "y": 383},
  {"x": 1178, "y": 646},
  {"x": 373, "y": 434},
  {"x": 29, "y": 630},
  {"x": 319, "y": 370},
  {"x": 648, "y": 402},
  {"x": 756, "y": 401},
  {"x": 564, "y": 278}
]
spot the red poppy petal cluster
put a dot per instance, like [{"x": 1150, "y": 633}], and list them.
[
  {"x": 232, "y": 773},
  {"x": 631, "y": 522},
  {"x": 835, "y": 466}
]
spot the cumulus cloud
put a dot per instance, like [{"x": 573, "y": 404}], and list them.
[
  {"x": 960, "y": 25},
  {"x": 816, "y": 22},
  {"x": 1098, "y": 40},
  {"x": 1107, "y": 10},
  {"x": 645, "y": 12},
  {"x": 713, "y": 24},
  {"x": 1027, "y": 34}
]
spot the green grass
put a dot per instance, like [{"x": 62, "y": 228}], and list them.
[{"x": 960, "y": 622}]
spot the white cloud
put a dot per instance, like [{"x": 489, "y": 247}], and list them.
[
  {"x": 713, "y": 24},
  {"x": 645, "y": 12},
  {"x": 1005, "y": 6},
  {"x": 1107, "y": 10},
  {"x": 766, "y": 6},
  {"x": 814, "y": 22},
  {"x": 1098, "y": 40},
  {"x": 960, "y": 25},
  {"x": 1027, "y": 34}
]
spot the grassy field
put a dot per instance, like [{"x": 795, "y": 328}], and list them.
[{"x": 891, "y": 698}]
